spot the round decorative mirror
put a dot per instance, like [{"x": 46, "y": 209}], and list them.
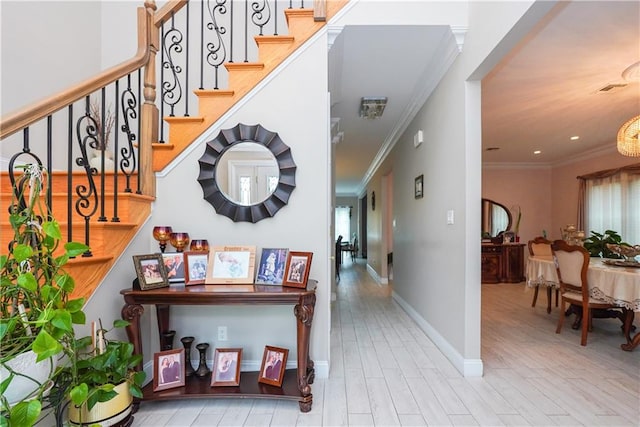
[
  {"x": 495, "y": 218},
  {"x": 247, "y": 173}
]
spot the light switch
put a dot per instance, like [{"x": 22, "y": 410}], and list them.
[{"x": 450, "y": 217}]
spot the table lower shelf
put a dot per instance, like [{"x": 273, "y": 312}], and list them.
[{"x": 249, "y": 388}]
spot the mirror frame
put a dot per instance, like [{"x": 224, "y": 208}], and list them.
[
  {"x": 498, "y": 204},
  {"x": 228, "y": 138}
]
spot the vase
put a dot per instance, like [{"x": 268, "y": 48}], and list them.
[
  {"x": 30, "y": 378},
  {"x": 107, "y": 413},
  {"x": 166, "y": 340},
  {"x": 202, "y": 367},
  {"x": 188, "y": 368},
  {"x": 96, "y": 161}
]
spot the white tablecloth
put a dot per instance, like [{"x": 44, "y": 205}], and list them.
[{"x": 613, "y": 284}]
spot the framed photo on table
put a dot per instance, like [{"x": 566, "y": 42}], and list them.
[
  {"x": 272, "y": 265},
  {"x": 274, "y": 363},
  {"x": 168, "y": 369},
  {"x": 296, "y": 273},
  {"x": 150, "y": 271},
  {"x": 195, "y": 267},
  {"x": 231, "y": 264},
  {"x": 226, "y": 367},
  {"x": 174, "y": 266}
]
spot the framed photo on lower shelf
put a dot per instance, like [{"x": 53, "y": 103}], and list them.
[
  {"x": 226, "y": 367},
  {"x": 274, "y": 362},
  {"x": 297, "y": 271},
  {"x": 168, "y": 369}
]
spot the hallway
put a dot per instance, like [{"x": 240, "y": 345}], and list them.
[{"x": 385, "y": 371}]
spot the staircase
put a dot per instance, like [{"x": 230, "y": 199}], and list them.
[{"x": 109, "y": 237}]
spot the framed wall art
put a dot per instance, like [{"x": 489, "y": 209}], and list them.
[
  {"x": 296, "y": 273},
  {"x": 168, "y": 369},
  {"x": 195, "y": 267},
  {"x": 174, "y": 265},
  {"x": 150, "y": 271},
  {"x": 274, "y": 362},
  {"x": 231, "y": 264},
  {"x": 226, "y": 367},
  {"x": 271, "y": 267}
]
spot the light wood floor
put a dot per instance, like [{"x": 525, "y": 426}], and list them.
[{"x": 385, "y": 371}]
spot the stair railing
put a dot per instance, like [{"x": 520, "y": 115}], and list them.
[
  {"x": 118, "y": 107},
  {"x": 102, "y": 115}
]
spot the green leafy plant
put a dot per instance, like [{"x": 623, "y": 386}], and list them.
[
  {"x": 596, "y": 244},
  {"x": 37, "y": 311},
  {"x": 94, "y": 370}
]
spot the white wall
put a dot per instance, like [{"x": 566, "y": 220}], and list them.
[{"x": 302, "y": 225}]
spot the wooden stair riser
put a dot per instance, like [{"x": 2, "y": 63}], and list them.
[
  {"x": 103, "y": 235},
  {"x": 59, "y": 182},
  {"x": 131, "y": 208}
]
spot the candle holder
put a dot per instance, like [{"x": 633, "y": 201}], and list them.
[
  {"x": 166, "y": 340},
  {"x": 199, "y": 245},
  {"x": 188, "y": 368},
  {"x": 202, "y": 368},
  {"x": 162, "y": 234},
  {"x": 179, "y": 240}
]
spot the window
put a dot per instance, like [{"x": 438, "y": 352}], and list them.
[
  {"x": 343, "y": 222},
  {"x": 613, "y": 203}
]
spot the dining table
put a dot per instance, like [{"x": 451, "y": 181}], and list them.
[{"x": 613, "y": 281}]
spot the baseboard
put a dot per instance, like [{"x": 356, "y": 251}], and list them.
[
  {"x": 374, "y": 274},
  {"x": 467, "y": 367}
]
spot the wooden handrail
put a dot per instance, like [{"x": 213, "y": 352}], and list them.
[
  {"x": 167, "y": 10},
  {"x": 26, "y": 116}
]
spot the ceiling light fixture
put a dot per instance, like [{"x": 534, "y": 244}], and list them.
[
  {"x": 537, "y": 152},
  {"x": 575, "y": 138},
  {"x": 372, "y": 107},
  {"x": 628, "y": 142}
]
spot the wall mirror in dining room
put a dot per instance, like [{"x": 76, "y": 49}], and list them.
[
  {"x": 247, "y": 173},
  {"x": 495, "y": 218}
]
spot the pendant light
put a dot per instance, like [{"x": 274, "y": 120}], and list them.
[{"x": 628, "y": 142}]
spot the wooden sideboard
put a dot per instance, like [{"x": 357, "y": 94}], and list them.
[
  {"x": 502, "y": 263},
  {"x": 297, "y": 382}
]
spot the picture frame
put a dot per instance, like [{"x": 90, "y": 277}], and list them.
[
  {"x": 273, "y": 262},
  {"x": 296, "y": 273},
  {"x": 168, "y": 369},
  {"x": 174, "y": 265},
  {"x": 508, "y": 237},
  {"x": 150, "y": 271},
  {"x": 195, "y": 267},
  {"x": 418, "y": 187},
  {"x": 226, "y": 367},
  {"x": 274, "y": 363},
  {"x": 231, "y": 264}
]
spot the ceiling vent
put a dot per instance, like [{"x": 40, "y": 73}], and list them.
[
  {"x": 372, "y": 107},
  {"x": 612, "y": 87}
]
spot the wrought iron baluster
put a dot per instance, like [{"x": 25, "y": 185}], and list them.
[
  {"x": 216, "y": 49},
  {"x": 186, "y": 63},
  {"x": 102, "y": 134},
  {"x": 129, "y": 106},
  {"x": 69, "y": 172},
  {"x": 261, "y": 14},
  {"x": 116, "y": 140},
  {"x": 172, "y": 46},
  {"x": 139, "y": 185},
  {"x": 87, "y": 203},
  {"x": 49, "y": 196},
  {"x": 161, "y": 124}
]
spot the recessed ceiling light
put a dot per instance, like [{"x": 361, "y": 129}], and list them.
[
  {"x": 537, "y": 152},
  {"x": 575, "y": 138}
]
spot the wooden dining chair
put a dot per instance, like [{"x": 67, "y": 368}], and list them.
[
  {"x": 572, "y": 262},
  {"x": 542, "y": 247}
]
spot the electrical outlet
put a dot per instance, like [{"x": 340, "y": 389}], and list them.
[{"x": 222, "y": 333}]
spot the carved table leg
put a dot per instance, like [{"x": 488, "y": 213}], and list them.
[{"x": 306, "y": 373}]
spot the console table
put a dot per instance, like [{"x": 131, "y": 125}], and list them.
[{"x": 297, "y": 382}]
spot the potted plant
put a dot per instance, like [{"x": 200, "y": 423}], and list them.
[
  {"x": 99, "y": 381},
  {"x": 596, "y": 244},
  {"x": 37, "y": 314}
]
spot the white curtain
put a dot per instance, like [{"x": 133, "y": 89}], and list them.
[{"x": 613, "y": 203}]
